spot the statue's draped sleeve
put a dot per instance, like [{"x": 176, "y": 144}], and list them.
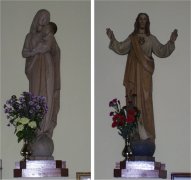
[
  {"x": 161, "y": 50},
  {"x": 152, "y": 45},
  {"x": 122, "y": 47}
]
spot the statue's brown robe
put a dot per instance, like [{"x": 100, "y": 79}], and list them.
[{"x": 139, "y": 71}]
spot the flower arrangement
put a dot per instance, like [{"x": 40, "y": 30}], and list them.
[
  {"x": 25, "y": 114},
  {"x": 125, "y": 118}
]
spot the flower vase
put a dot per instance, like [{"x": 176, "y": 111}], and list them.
[
  {"x": 26, "y": 151},
  {"x": 127, "y": 153}
]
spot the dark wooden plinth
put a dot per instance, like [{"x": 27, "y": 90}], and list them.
[
  {"x": 41, "y": 168},
  {"x": 143, "y": 167}
]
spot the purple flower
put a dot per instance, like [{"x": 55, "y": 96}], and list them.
[
  {"x": 114, "y": 100},
  {"x": 22, "y": 99},
  {"x": 42, "y": 99},
  {"x": 31, "y": 103},
  {"x": 8, "y": 110},
  {"x": 111, "y": 113},
  {"x": 110, "y": 103},
  {"x": 37, "y": 107},
  {"x": 9, "y": 101}
]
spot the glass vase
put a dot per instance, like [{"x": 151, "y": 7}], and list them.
[
  {"x": 127, "y": 153},
  {"x": 26, "y": 151}
]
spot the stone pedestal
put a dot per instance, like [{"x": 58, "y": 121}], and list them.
[
  {"x": 140, "y": 167},
  {"x": 42, "y": 148},
  {"x": 41, "y": 168}
]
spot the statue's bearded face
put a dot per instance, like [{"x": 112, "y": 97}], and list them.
[{"x": 142, "y": 21}]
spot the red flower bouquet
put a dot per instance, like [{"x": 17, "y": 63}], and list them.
[{"x": 124, "y": 118}]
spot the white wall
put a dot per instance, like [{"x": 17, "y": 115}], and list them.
[
  {"x": 72, "y": 134},
  {"x": 171, "y": 82}
]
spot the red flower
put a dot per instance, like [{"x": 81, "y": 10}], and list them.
[
  {"x": 114, "y": 124},
  {"x": 130, "y": 119},
  {"x": 120, "y": 123},
  {"x": 121, "y": 116},
  {"x": 118, "y": 120},
  {"x": 116, "y": 116},
  {"x": 131, "y": 112}
]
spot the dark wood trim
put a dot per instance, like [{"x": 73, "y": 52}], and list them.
[
  {"x": 58, "y": 164},
  {"x": 17, "y": 173},
  {"x": 64, "y": 172},
  {"x": 117, "y": 173},
  {"x": 180, "y": 174},
  {"x": 81, "y": 174}
]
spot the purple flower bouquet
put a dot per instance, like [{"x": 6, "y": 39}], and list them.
[{"x": 25, "y": 114}]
